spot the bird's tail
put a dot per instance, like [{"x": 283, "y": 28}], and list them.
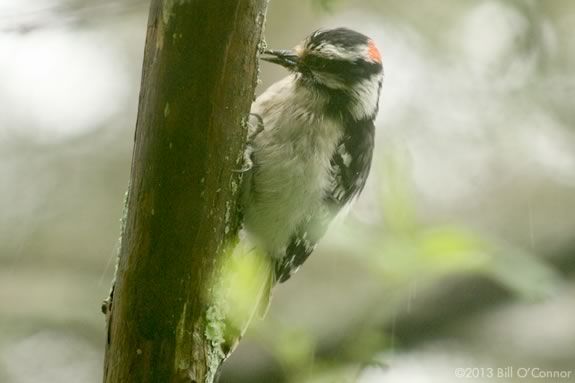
[{"x": 249, "y": 278}]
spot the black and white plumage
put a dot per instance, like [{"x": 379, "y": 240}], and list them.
[{"x": 311, "y": 143}]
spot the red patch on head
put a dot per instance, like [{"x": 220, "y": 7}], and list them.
[{"x": 373, "y": 52}]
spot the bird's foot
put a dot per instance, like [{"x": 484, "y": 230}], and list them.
[{"x": 248, "y": 163}]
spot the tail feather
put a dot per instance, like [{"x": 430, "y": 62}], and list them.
[
  {"x": 250, "y": 277},
  {"x": 267, "y": 290}
]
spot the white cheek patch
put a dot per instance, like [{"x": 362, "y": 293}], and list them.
[{"x": 366, "y": 97}]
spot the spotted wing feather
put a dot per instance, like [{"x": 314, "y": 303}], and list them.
[{"x": 349, "y": 167}]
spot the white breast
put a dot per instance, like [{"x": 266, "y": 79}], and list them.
[{"x": 292, "y": 158}]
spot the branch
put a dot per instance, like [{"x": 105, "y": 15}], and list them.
[{"x": 198, "y": 83}]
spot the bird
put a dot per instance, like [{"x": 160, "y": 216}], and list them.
[{"x": 310, "y": 144}]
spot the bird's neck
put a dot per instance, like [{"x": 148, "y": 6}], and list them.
[{"x": 364, "y": 99}]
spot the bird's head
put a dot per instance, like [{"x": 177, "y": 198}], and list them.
[{"x": 337, "y": 59}]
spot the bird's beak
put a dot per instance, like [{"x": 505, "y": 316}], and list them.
[{"x": 286, "y": 58}]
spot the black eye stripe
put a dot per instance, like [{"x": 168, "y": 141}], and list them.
[
  {"x": 314, "y": 61},
  {"x": 349, "y": 71}
]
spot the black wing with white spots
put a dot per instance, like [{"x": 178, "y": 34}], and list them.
[{"x": 350, "y": 165}]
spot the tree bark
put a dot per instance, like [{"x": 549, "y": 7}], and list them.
[{"x": 198, "y": 83}]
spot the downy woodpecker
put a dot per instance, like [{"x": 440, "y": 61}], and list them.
[{"x": 310, "y": 143}]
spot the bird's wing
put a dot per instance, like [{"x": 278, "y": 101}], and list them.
[{"x": 349, "y": 168}]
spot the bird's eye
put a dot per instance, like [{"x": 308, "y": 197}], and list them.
[{"x": 315, "y": 62}]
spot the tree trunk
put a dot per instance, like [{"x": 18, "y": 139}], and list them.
[{"x": 198, "y": 83}]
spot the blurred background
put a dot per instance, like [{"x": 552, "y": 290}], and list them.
[{"x": 459, "y": 254}]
